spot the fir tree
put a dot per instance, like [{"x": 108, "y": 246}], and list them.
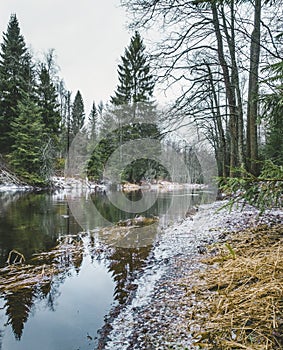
[
  {"x": 273, "y": 114},
  {"x": 47, "y": 101},
  {"x": 273, "y": 148},
  {"x": 135, "y": 80},
  {"x": 16, "y": 78},
  {"x": 93, "y": 120},
  {"x": 78, "y": 114},
  {"x": 28, "y": 131},
  {"x": 132, "y": 115}
]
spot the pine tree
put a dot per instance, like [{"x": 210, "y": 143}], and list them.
[
  {"x": 78, "y": 114},
  {"x": 47, "y": 101},
  {"x": 16, "y": 78},
  {"x": 28, "y": 131},
  {"x": 135, "y": 80}
]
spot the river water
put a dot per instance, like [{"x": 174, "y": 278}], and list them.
[{"x": 67, "y": 311}]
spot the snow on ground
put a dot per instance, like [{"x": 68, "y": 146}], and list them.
[{"x": 155, "y": 318}]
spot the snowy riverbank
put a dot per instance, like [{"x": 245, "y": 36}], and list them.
[
  {"x": 86, "y": 184},
  {"x": 156, "y": 315}
]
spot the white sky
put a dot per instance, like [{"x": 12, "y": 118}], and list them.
[{"x": 88, "y": 36}]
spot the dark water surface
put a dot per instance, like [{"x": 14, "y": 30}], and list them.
[{"x": 66, "y": 312}]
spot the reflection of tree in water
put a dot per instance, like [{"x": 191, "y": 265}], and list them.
[
  {"x": 18, "y": 306},
  {"x": 27, "y": 224},
  {"x": 23, "y": 285},
  {"x": 125, "y": 263}
]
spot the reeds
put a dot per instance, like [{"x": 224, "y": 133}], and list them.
[{"x": 239, "y": 299}]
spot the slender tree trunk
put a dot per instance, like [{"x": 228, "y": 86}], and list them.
[
  {"x": 235, "y": 81},
  {"x": 252, "y": 112},
  {"x": 221, "y": 141},
  {"x": 233, "y": 127}
]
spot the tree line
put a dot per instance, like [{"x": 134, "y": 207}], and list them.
[
  {"x": 224, "y": 61},
  {"x": 39, "y": 120},
  {"x": 35, "y": 109},
  {"x": 224, "y": 58},
  {"x": 227, "y": 57}
]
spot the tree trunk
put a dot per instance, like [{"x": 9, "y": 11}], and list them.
[
  {"x": 252, "y": 112},
  {"x": 231, "y": 99},
  {"x": 235, "y": 81},
  {"x": 221, "y": 149}
]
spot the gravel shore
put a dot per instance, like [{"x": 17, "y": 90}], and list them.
[{"x": 156, "y": 315}]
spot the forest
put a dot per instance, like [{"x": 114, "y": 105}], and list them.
[
  {"x": 223, "y": 59},
  {"x": 83, "y": 267}
]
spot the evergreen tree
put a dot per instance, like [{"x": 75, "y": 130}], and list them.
[
  {"x": 272, "y": 114},
  {"x": 47, "y": 101},
  {"x": 78, "y": 114},
  {"x": 131, "y": 110},
  {"x": 28, "y": 131},
  {"x": 107, "y": 122},
  {"x": 135, "y": 80},
  {"x": 274, "y": 139},
  {"x": 16, "y": 78},
  {"x": 93, "y": 120},
  {"x": 273, "y": 148}
]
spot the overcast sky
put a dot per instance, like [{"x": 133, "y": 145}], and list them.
[{"x": 88, "y": 36}]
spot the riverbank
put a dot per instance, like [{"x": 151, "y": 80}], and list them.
[
  {"x": 84, "y": 183},
  {"x": 159, "y": 312},
  {"x": 9, "y": 181}
]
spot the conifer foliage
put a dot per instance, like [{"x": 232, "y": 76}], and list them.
[
  {"x": 136, "y": 83},
  {"x": 27, "y": 150},
  {"x": 131, "y": 115},
  {"x": 93, "y": 121},
  {"x": 78, "y": 114},
  {"x": 29, "y": 110},
  {"x": 15, "y": 80},
  {"x": 48, "y": 101}
]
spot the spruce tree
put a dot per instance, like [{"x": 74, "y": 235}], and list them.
[
  {"x": 26, "y": 156},
  {"x": 273, "y": 114},
  {"x": 273, "y": 148},
  {"x": 47, "y": 101},
  {"x": 93, "y": 119},
  {"x": 136, "y": 83},
  {"x": 131, "y": 109},
  {"x": 78, "y": 114},
  {"x": 16, "y": 78}
]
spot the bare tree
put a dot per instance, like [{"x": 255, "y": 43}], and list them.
[{"x": 204, "y": 50}]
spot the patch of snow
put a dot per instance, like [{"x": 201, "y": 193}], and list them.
[
  {"x": 185, "y": 240},
  {"x": 14, "y": 188}
]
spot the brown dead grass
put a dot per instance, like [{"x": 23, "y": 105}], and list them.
[
  {"x": 44, "y": 266},
  {"x": 239, "y": 299}
]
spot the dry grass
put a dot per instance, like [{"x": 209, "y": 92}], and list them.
[
  {"x": 44, "y": 266},
  {"x": 239, "y": 299}
]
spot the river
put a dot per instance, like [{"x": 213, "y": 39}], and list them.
[{"x": 67, "y": 310}]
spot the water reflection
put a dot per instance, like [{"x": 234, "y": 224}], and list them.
[
  {"x": 97, "y": 210},
  {"x": 71, "y": 294},
  {"x": 125, "y": 263},
  {"x": 32, "y": 223},
  {"x": 59, "y": 300}
]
